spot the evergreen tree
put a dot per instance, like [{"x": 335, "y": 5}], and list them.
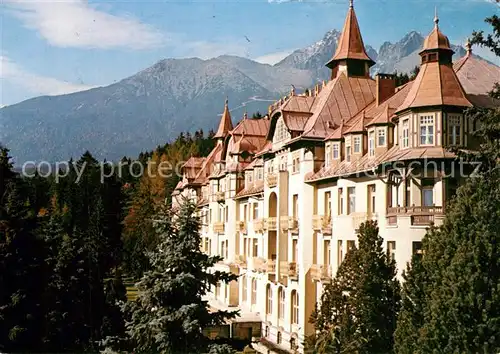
[
  {"x": 169, "y": 314},
  {"x": 411, "y": 316},
  {"x": 359, "y": 308},
  {"x": 23, "y": 271}
]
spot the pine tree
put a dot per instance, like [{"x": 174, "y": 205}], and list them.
[
  {"x": 411, "y": 316},
  {"x": 23, "y": 271},
  {"x": 169, "y": 314},
  {"x": 359, "y": 308}
]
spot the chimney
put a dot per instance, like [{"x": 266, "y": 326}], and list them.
[{"x": 386, "y": 87}]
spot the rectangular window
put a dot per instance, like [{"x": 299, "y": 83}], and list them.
[
  {"x": 255, "y": 211},
  {"x": 295, "y": 307},
  {"x": 244, "y": 290},
  {"x": 427, "y": 130},
  {"x": 335, "y": 151},
  {"x": 255, "y": 247},
  {"x": 249, "y": 178},
  {"x": 281, "y": 307},
  {"x": 371, "y": 144},
  {"x": 407, "y": 195},
  {"x": 254, "y": 291},
  {"x": 427, "y": 192},
  {"x": 351, "y": 194},
  {"x": 295, "y": 205},
  {"x": 295, "y": 250},
  {"x": 326, "y": 253},
  {"x": 260, "y": 173},
  {"x": 339, "y": 252},
  {"x": 341, "y": 201},
  {"x": 454, "y": 133},
  {"x": 416, "y": 247},
  {"x": 371, "y": 198},
  {"x": 357, "y": 144},
  {"x": 245, "y": 215},
  {"x": 381, "y": 137},
  {"x": 351, "y": 244},
  {"x": 328, "y": 156},
  {"x": 283, "y": 163},
  {"x": 391, "y": 250},
  {"x": 328, "y": 204},
  {"x": 406, "y": 133},
  {"x": 295, "y": 164}
]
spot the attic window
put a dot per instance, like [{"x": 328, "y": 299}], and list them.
[
  {"x": 357, "y": 144},
  {"x": 432, "y": 57},
  {"x": 424, "y": 58}
]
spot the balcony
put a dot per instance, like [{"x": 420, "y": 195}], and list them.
[
  {"x": 271, "y": 224},
  {"x": 321, "y": 272},
  {"x": 257, "y": 264},
  {"x": 359, "y": 218},
  {"x": 270, "y": 266},
  {"x": 258, "y": 225},
  {"x": 322, "y": 223},
  {"x": 220, "y": 196},
  {"x": 241, "y": 226},
  {"x": 272, "y": 180},
  {"x": 218, "y": 227},
  {"x": 419, "y": 215},
  {"x": 241, "y": 261},
  {"x": 289, "y": 269},
  {"x": 289, "y": 223}
]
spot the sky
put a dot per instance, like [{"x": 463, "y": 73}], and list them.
[{"x": 63, "y": 46}]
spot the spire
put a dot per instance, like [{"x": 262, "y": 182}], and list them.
[
  {"x": 468, "y": 47},
  {"x": 436, "y": 18},
  {"x": 245, "y": 115},
  {"x": 225, "y": 124},
  {"x": 350, "y": 43}
]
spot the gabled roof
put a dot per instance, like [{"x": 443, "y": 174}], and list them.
[
  {"x": 225, "y": 124},
  {"x": 478, "y": 77},
  {"x": 298, "y": 104},
  {"x": 350, "y": 44},
  {"x": 341, "y": 99},
  {"x": 251, "y": 127}
]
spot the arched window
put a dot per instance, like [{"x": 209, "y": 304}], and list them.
[
  {"x": 278, "y": 338},
  {"x": 254, "y": 291},
  {"x": 266, "y": 332},
  {"x": 295, "y": 307},
  {"x": 281, "y": 307},
  {"x": 293, "y": 344},
  {"x": 269, "y": 299}
]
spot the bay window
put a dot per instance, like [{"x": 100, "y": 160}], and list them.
[
  {"x": 454, "y": 133},
  {"x": 405, "y": 133},
  {"x": 381, "y": 137}
]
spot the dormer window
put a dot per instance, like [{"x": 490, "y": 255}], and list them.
[
  {"x": 328, "y": 156},
  {"x": 335, "y": 151},
  {"x": 357, "y": 144},
  {"x": 454, "y": 131},
  {"x": 249, "y": 178},
  {"x": 348, "y": 152},
  {"x": 281, "y": 132},
  {"x": 371, "y": 143},
  {"x": 260, "y": 174},
  {"x": 381, "y": 137},
  {"x": 427, "y": 130},
  {"x": 405, "y": 133}
]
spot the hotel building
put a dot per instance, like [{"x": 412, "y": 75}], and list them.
[{"x": 281, "y": 198}]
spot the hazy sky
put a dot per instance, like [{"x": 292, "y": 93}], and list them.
[{"x": 55, "y": 47}]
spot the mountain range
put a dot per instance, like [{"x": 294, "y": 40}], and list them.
[{"x": 173, "y": 96}]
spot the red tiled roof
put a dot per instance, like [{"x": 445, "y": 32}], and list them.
[
  {"x": 256, "y": 188},
  {"x": 350, "y": 44},
  {"x": 298, "y": 104},
  {"x": 342, "y": 98},
  {"x": 225, "y": 124},
  {"x": 295, "y": 121},
  {"x": 436, "y": 84},
  {"x": 253, "y": 127},
  {"x": 478, "y": 77}
]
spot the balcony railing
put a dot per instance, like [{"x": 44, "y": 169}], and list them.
[
  {"x": 419, "y": 215},
  {"x": 271, "y": 224},
  {"x": 241, "y": 226},
  {"x": 289, "y": 223},
  {"x": 321, "y": 272},
  {"x": 359, "y": 218},
  {"x": 322, "y": 223},
  {"x": 271, "y": 266},
  {"x": 220, "y": 196},
  {"x": 257, "y": 264},
  {"x": 289, "y": 269},
  {"x": 258, "y": 225},
  {"x": 218, "y": 227},
  {"x": 272, "y": 180}
]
